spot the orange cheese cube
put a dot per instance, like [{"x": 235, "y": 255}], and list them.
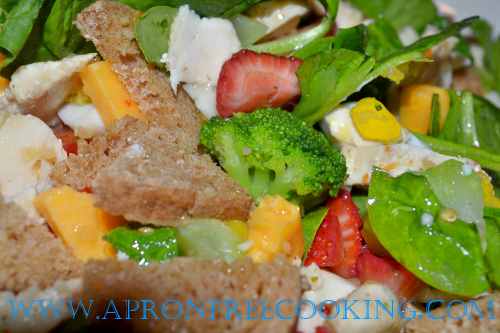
[
  {"x": 108, "y": 93},
  {"x": 74, "y": 218},
  {"x": 275, "y": 228}
]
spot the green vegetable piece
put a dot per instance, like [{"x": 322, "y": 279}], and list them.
[
  {"x": 269, "y": 151},
  {"x": 484, "y": 158},
  {"x": 249, "y": 30},
  {"x": 17, "y": 28},
  {"x": 382, "y": 39},
  {"x": 291, "y": 43},
  {"x": 60, "y": 34},
  {"x": 457, "y": 186},
  {"x": 414, "y": 13},
  {"x": 209, "y": 239},
  {"x": 361, "y": 202},
  {"x": 492, "y": 218},
  {"x": 310, "y": 225},
  {"x": 145, "y": 245},
  {"x": 435, "y": 116},
  {"x": 152, "y": 32},
  {"x": 445, "y": 255},
  {"x": 490, "y": 73},
  {"x": 487, "y": 121}
]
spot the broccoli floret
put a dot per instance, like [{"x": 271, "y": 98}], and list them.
[{"x": 270, "y": 151}]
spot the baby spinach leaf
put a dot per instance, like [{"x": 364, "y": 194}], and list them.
[
  {"x": 60, "y": 34},
  {"x": 447, "y": 256},
  {"x": 17, "y": 28},
  {"x": 145, "y": 246},
  {"x": 330, "y": 77},
  {"x": 382, "y": 39},
  {"x": 310, "y": 225},
  {"x": 152, "y": 32}
]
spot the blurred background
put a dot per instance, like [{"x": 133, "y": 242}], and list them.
[{"x": 489, "y": 9}]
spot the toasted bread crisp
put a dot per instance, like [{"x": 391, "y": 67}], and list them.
[
  {"x": 201, "y": 282},
  {"x": 481, "y": 315},
  {"x": 150, "y": 171},
  {"x": 31, "y": 256},
  {"x": 110, "y": 26}
]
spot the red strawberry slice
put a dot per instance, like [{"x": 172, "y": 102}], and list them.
[
  {"x": 337, "y": 244},
  {"x": 389, "y": 272},
  {"x": 250, "y": 80},
  {"x": 67, "y": 137}
]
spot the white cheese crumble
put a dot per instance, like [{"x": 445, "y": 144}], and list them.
[
  {"x": 198, "y": 48},
  {"x": 84, "y": 120}
]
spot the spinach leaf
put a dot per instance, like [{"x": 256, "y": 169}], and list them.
[
  {"x": 493, "y": 249},
  {"x": 310, "y": 225},
  {"x": 382, "y": 39},
  {"x": 487, "y": 121},
  {"x": 330, "y": 77},
  {"x": 7, "y": 5},
  {"x": 401, "y": 13},
  {"x": 145, "y": 246},
  {"x": 447, "y": 256},
  {"x": 152, "y": 32},
  {"x": 490, "y": 73},
  {"x": 219, "y": 8},
  {"x": 17, "y": 28},
  {"x": 60, "y": 35},
  {"x": 484, "y": 158}
]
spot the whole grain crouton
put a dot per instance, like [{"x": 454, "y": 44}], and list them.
[
  {"x": 110, "y": 26},
  {"x": 204, "y": 283},
  {"x": 30, "y": 255}
]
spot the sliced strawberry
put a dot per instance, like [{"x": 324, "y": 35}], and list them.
[
  {"x": 67, "y": 137},
  {"x": 250, "y": 80},
  {"x": 337, "y": 243},
  {"x": 389, "y": 272},
  {"x": 322, "y": 329},
  {"x": 326, "y": 249}
]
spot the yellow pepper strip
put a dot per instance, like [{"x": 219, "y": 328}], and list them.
[
  {"x": 108, "y": 93},
  {"x": 489, "y": 196},
  {"x": 275, "y": 228},
  {"x": 374, "y": 122},
  {"x": 416, "y": 106}
]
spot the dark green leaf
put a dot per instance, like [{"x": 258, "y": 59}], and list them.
[
  {"x": 493, "y": 249},
  {"x": 60, "y": 35},
  {"x": 382, "y": 39},
  {"x": 484, "y": 158},
  {"x": 435, "y": 116},
  {"x": 414, "y": 13},
  {"x": 145, "y": 245},
  {"x": 152, "y": 32},
  {"x": 447, "y": 256},
  {"x": 490, "y": 73},
  {"x": 310, "y": 225},
  {"x": 17, "y": 28},
  {"x": 487, "y": 119}
]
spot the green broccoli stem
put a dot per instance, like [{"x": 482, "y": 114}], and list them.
[
  {"x": 286, "y": 45},
  {"x": 485, "y": 159},
  {"x": 260, "y": 183}
]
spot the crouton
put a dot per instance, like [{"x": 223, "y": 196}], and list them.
[
  {"x": 147, "y": 171},
  {"x": 31, "y": 256},
  {"x": 467, "y": 320},
  {"x": 110, "y": 26},
  {"x": 200, "y": 281},
  {"x": 156, "y": 180}
]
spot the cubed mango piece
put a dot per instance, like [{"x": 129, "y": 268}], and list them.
[
  {"x": 78, "y": 222},
  {"x": 416, "y": 106},
  {"x": 275, "y": 228},
  {"x": 108, "y": 93}
]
